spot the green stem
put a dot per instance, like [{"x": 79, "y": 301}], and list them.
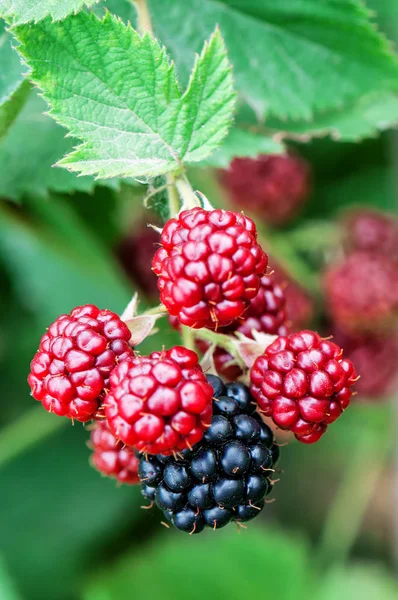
[
  {"x": 188, "y": 339},
  {"x": 159, "y": 309},
  {"x": 143, "y": 17},
  {"x": 24, "y": 433},
  {"x": 221, "y": 340},
  {"x": 172, "y": 195},
  {"x": 352, "y": 498},
  {"x": 189, "y": 199}
]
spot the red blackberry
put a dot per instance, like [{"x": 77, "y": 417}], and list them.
[
  {"x": 273, "y": 186},
  {"x": 362, "y": 291},
  {"x": 299, "y": 304},
  {"x": 303, "y": 383},
  {"x": 136, "y": 253},
  {"x": 209, "y": 267},
  {"x": 111, "y": 457},
  {"x": 159, "y": 403},
  {"x": 372, "y": 231},
  {"x": 225, "y": 477},
  {"x": 70, "y": 371},
  {"x": 376, "y": 358}
]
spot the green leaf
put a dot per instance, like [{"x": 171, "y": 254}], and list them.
[
  {"x": 13, "y": 89},
  {"x": 359, "y": 582},
  {"x": 243, "y": 143},
  {"x": 23, "y": 11},
  {"x": 291, "y": 58},
  {"x": 215, "y": 565},
  {"x": 7, "y": 589},
  {"x": 118, "y": 93},
  {"x": 362, "y": 119},
  {"x": 32, "y": 145}
]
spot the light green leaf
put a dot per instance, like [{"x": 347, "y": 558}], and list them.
[
  {"x": 118, "y": 93},
  {"x": 291, "y": 58},
  {"x": 243, "y": 143},
  {"x": 360, "y": 582},
  {"x": 362, "y": 119},
  {"x": 23, "y": 11},
  {"x": 32, "y": 145},
  {"x": 214, "y": 564},
  {"x": 13, "y": 90},
  {"x": 7, "y": 589}
]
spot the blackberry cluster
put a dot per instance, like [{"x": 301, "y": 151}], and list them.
[{"x": 225, "y": 477}]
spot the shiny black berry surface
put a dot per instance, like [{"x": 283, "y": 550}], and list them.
[{"x": 225, "y": 477}]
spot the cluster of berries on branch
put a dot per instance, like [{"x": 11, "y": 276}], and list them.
[{"x": 198, "y": 446}]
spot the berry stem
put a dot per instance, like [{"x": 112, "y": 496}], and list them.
[
  {"x": 143, "y": 17},
  {"x": 221, "y": 340},
  {"x": 172, "y": 196},
  {"x": 188, "y": 339},
  {"x": 187, "y": 195},
  {"x": 30, "y": 428},
  {"x": 352, "y": 499}
]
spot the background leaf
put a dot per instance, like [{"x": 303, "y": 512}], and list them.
[
  {"x": 279, "y": 50},
  {"x": 23, "y": 11},
  {"x": 13, "y": 90},
  {"x": 243, "y": 143},
  {"x": 231, "y": 566},
  {"x": 35, "y": 141}
]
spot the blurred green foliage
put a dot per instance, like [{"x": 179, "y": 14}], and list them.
[{"x": 66, "y": 533}]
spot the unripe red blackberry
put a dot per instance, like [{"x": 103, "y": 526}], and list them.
[
  {"x": 209, "y": 266},
  {"x": 303, "y": 383},
  {"x": 372, "y": 231},
  {"x": 375, "y": 357},
  {"x": 70, "y": 371},
  {"x": 136, "y": 253},
  {"x": 225, "y": 477},
  {"x": 361, "y": 292},
  {"x": 111, "y": 457},
  {"x": 273, "y": 186},
  {"x": 159, "y": 403},
  {"x": 299, "y": 304}
]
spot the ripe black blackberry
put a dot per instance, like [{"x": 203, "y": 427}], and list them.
[{"x": 225, "y": 477}]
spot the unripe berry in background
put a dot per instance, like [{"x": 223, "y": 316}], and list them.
[
  {"x": 70, "y": 372},
  {"x": 361, "y": 291},
  {"x": 372, "y": 231},
  {"x": 136, "y": 252},
  {"x": 273, "y": 186},
  {"x": 375, "y": 357},
  {"x": 209, "y": 267},
  {"x": 303, "y": 383},
  {"x": 111, "y": 457},
  {"x": 159, "y": 403}
]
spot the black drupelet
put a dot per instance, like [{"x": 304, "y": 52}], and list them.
[{"x": 225, "y": 477}]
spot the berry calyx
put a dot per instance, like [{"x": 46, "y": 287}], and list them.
[
  {"x": 209, "y": 267},
  {"x": 362, "y": 291},
  {"x": 225, "y": 477},
  {"x": 159, "y": 403},
  {"x": 111, "y": 457},
  {"x": 303, "y": 383},
  {"x": 70, "y": 371},
  {"x": 273, "y": 186}
]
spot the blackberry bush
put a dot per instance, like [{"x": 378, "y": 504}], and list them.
[{"x": 223, "y": 478}]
